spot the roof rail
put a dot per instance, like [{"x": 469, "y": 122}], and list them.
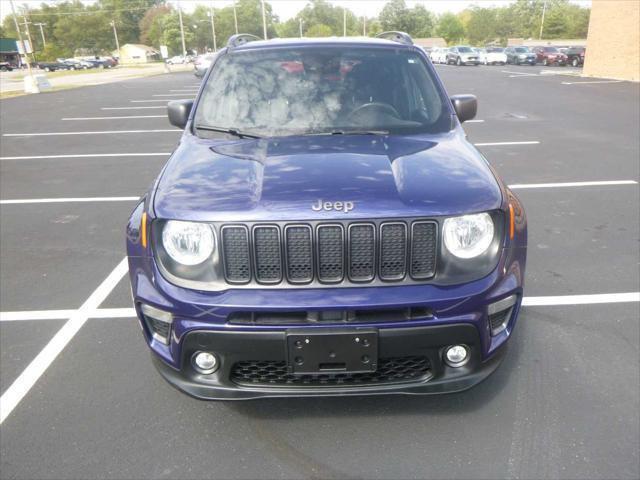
[
  {"x": 240, "y": 39},
  {"x": 400, "y": 37}
]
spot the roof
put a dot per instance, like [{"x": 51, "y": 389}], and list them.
[
  {"x": 146, "y": 48},
  {"x": 8, "y": 45},
  {"x": 305, "y": 42}
]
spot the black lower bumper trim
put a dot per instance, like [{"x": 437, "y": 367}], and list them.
[{"x": 233, "y": 348}]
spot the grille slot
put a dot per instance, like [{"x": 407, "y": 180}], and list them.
[
  {"x": 393, "y": 251},
  {"x": 361, "y": 252},
  {"x": 299, "y": 253},
  {"x": 268, "y": 254},
  {"x": 235, "y": 246},
  {"x": 270, "y": 373},
  {"x": 330, "y": 253},
  {"x": 424, "y": 239}
]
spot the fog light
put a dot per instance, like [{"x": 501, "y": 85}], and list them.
[
  {"x": 456, "y": 355},
  {"x": 204, "y": 362}
]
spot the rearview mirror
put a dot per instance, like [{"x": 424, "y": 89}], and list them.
[
  {"x": 465, "y": 106},
  {"x": 178, "y": 111}
]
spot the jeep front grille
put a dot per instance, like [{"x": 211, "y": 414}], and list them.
[{"x": 325, "y": 253}]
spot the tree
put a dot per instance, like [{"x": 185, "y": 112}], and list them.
[
  {"x": 417, "y": 21},
  {"x": 450, "y": 28},
  {"x": 319, "y": 30},
  {"x": 481, "y": 26},
  {"x": 151, "y": 25}
]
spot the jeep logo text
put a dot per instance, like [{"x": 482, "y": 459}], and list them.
[{"x": 345, "y": 207}]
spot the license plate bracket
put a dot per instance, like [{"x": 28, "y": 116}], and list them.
[{"x": 311, "y": 352}]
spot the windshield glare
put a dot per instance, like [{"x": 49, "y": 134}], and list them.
[
  {"x": 464, "y": 49},
  {"x": 522, "y": 50},
  {"x": 282, "y": 92}
]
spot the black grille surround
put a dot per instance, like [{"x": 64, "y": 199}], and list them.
[
  {"x": 329, "y": 253},
  {"x": 270, "y": 373}
]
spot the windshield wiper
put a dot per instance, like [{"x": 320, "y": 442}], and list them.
[
  {"x": 230, "y": 131},
  {"x": 351, "y": 132}
]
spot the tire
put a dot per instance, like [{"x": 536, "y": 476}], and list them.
[
  {"x": 47, "y": 69},
  {"x": 545, "y": 62},
  {"x": 575, "y": 62},
  {"x": 517, "y": 61},
  {"x": 459, "y": 62}
]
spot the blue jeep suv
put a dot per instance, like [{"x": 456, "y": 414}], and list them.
[{"x": 324, "y": 228}]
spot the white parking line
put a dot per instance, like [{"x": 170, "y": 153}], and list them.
[
  {"x": 519, "y": 74},
  {"x": 497, "y": 144},
  {"x": 590, "y": 82},
  {"x": 65, "y": 314},
  {"x": 474, "y": 121},
  {"x": 133, "y": 108},
  {"x": 114, "y": 118},
  {"x": 572, "y": 184},
  {"x": 148, "y": 101},
  {"x": 581, "y": 299},
  {"x": 68, "y": 200},
  {"x": 87, "y": 155},
  {"x": 27, "y": 379},
  {"x": 543, "y": 301},
  {"x": 191, "y": 90},
  {"x": 113, "y": 132},
  {"x": 171, "y": 94}
]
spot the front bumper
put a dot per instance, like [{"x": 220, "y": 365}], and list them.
[{"x": 270, "y": 347}]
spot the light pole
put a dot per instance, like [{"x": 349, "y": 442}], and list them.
[
  {"x": 44, "y": 42},
  {"x": 24, "y": 46},
  {"x": 115, "y": 34},
  {"x": 301, "y": 22},
  {"x": 264, "y": 21},
  {"x": 213, "y": 29},
  {"x": 364, "y": 25},
  {"x": 544, "y": 9},
  {"x": 235, "y": 16},
  {"x": 184, "y": 46}
]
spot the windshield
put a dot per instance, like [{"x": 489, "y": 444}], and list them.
[
  {"x": 320, "y": 90},
  {"x": 495, "y": 50},
  {"x": 550, "y": 49},
  {"x": 464, "y": 49},
  {"x": 522, "y": 50}
]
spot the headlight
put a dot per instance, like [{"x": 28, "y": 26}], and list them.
[
  {"x": 468, "y": 236},
  {"x": 188, "y": 243}
]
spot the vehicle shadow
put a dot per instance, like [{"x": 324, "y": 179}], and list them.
[{"x": 387, "y": 405}]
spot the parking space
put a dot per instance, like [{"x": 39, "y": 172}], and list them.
[{"x": 564, "y": 404}]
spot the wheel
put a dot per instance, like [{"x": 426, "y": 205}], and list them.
[
  {"x": 517, "y": 61},
  {"x": 545, "y": 62},
  {"x": 575, "y": 62},
  {"x": 458, "y": 62},
  {"x": 85, "y": 67},
  {"x": 47, "y": 69}
]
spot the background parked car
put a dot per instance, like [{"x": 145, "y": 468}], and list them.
[
  {"x": 550, "y": 56},
  {"x": 439, "y": 55},
  {"x": 462, "y": 55},
  {"x": 493, "y": 56},
  {"x": 106, "y": 62},
  {"x": 75, "y": 64},
  {"x": 575, "y": 56},
  {"x": 520, "y": 55},
  {"x": 6, "y": 67},
  {"x": 52, "y": 66},
  {"x": 202, "y": 63}
]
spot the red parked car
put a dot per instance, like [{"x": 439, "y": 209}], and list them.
[{"x": 550, "y": 56}]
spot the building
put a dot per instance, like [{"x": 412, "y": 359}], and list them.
[
  {"x": 135, "y": 53},
  {"x": 613, "y": 42},
  {"x": 430, "y": 42},
  {"x": 9, "y": 51}
]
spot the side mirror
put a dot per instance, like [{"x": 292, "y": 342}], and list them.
[
  {"x": 178, "y": 111},
  {"x": 466, "y": 106}
]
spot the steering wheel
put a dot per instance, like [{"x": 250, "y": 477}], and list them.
[{"x": 383, "y": 107}]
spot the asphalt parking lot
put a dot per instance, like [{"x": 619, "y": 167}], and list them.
[{"x": 81, "y": 399}]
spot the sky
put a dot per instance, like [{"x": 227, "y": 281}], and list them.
[{"x": 286, "y": 9}]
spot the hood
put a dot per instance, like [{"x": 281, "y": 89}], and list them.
[{"x": 283, "y": 178}]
